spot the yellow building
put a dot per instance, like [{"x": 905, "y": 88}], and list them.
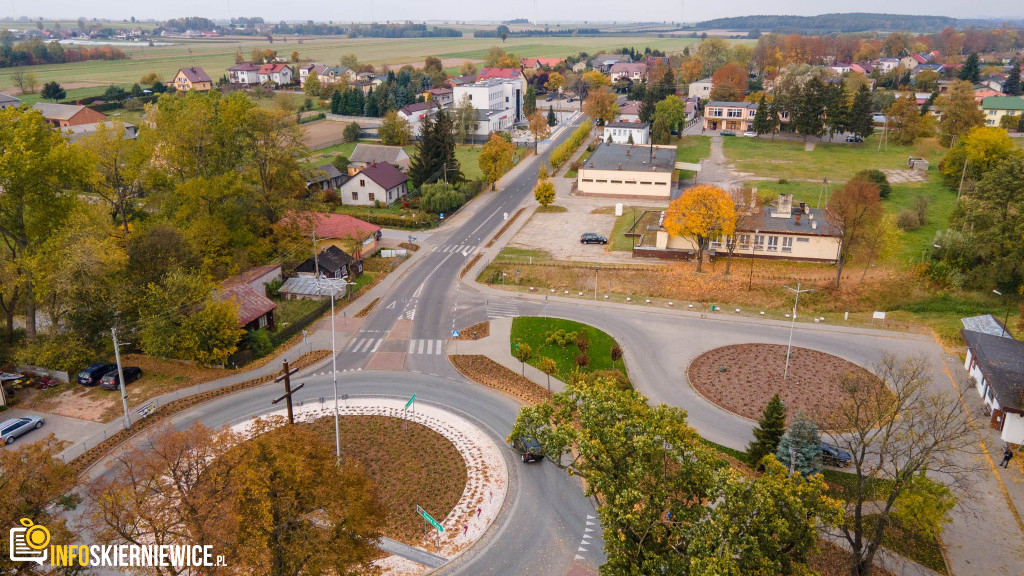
[
  {"x": 996, "y": 107},
  {"x": 193, "y": 78},
  {"x": 628, "y": 171}
]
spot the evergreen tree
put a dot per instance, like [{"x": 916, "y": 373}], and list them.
[
  {"x": 435, "y": 155},
  {"x": 860, "y": 120},
  {"x": 762, "y": 122},
  {"x": 552, "y": 120},
  {"x": 372, "y": 107},
  {"x": 801, "y": 447},
  {"x": 423, "y": 165},
  {"x": 336, "y": 103},
  {"x": 1012, "y": 86},
  {"x": 837, "y": 112},
  {"x": 768, "y": 432},
  {"x": 668, "y": 84},
  {"x": 530, "y": 101},
  {"x": 650, "y": 101},
  {"x": 444, "y": 138},
  {"x": 971, "y": 69},
  {"x": 811, "y": 109}
]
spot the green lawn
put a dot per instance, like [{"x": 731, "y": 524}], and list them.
[
  {"x": 532, "y": 331},
  {"x": 289, "y": 311},
  {"x": 941, "y": 203},
  {"x": 692, "y": 149},
  {"x": 774, "y": 159}
]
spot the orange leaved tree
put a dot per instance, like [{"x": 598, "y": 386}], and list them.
[{"x": 703, "y": 213}]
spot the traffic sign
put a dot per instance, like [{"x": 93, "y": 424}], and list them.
[
  {"x": 430, "y": 519},
  {"x": 455, "y": 333},
  {"x": 409, "y": 403}
]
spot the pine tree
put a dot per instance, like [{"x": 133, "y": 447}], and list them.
[
  {"x": 668, "y": 83},
  {"x": 762, "y": 124},
  {"x": 769, "y": 431},
  {"x": 860, "y": 120},
  {"x": 422, "y": 166},
  {"x": 811, "y": 109},
  {"x": 837, "y": 112},
  {"x": 530, "y": 101},
  {"x": 801, "y": 447},
  {"x": 1012, "y": 86},
  {"x": 552, "y": 120},
  {"x": 444, "y": 139},
  {"x": 971, "y": 70},
  {"x": 649, "y": 103},
  {"x": 336, "y": 102}
]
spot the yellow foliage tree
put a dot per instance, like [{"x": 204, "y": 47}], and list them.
[
  {"x": 495, "y": 159},
  {"x": 702, "y": 213},
  {"x": 595, "y": 79},
  {"x": 544, "y": 193},
  {"x": 601, "y": 105}
]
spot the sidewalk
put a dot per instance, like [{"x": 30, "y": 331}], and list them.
[{"x": 496, "y": 347}]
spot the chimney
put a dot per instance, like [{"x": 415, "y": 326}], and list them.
[
  {"x": 627, "y": 151},
  {"x": 814, "y": 225},
  {"x": 803, "y": 207},
  {"x": 797, "y": 223},
  {"x": 620, "y": 165},
  {"x": 784, "y": 206}
]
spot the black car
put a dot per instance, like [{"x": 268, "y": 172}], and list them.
[
  {"x": 854, "y": 139},
  {"x": 92, "y": 375},
  {"x": 833, "y": 456},
  {"x": 131, "y": 374},
  {"x": 591, "y": 238},
  {"x": 529, "y": 449}
]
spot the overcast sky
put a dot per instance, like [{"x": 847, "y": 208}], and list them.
[{"x": 542, "y": 10}]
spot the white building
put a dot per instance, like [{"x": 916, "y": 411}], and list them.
[
  {"x": 995, "y": 362},
  {"x": 490, "y": 121},
  {"x": 627, "y": 132},
  {"x": 276, "y": 73},
  {"x": 628, "y": 171},
  {"x": 632, "y": 71},
  {"x": 700, "y": 89},
  {"x": 494, "y": 94},
  {"x": 244, "y": 73},
  {"x": 381, "y": 183},
  {"x": 416, "y": 113}
]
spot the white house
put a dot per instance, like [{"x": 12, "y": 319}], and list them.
[
  {"x": 487, "y": 121},
  {"x": 276, "y": 73},
  {"x": 416, "y": 113},
  {"x": 244, "y": 73},
  {"x": 700, "y": 89},
  {"x": 632, "y": 71},
  {"x": 627, "y": 132},
  {"x": 995, "y": 362},
  {"x": 887, "y": 64},
  {"x": 628, "y": 171},
  {"x": 381, "y": 183}
]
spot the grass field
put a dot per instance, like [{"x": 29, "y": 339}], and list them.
[
  {"x": 216, "y": 55},
  {"x": 692, "y": 149},
  {"x": 532, "y": 331}
]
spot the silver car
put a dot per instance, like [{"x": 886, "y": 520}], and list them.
[{"x": 14, "y": 427}]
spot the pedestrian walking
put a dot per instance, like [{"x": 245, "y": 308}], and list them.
[{"x": 1007, "y": 455}]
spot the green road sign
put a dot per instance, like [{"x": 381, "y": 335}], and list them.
[
  {"x": 430, "y": 519},
  {"x": 409, "y": 403}
]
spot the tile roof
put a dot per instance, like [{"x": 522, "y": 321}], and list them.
[
  {"x": 337, "y": 225},
  {"x": 384, "y": 174},
  {"x": 628, "y": 67},
  {"x": 632, "y": 157},
  {"x": 547, "y": 62},
  {"x": 244, "y": 67},
  {"x": 272, "y": 68},
  {"x": 1002, "y": 362},
  {"x": 489, "y": 73},
  {"x": 370, "y": 153},
  {"x": 251, "y": 304},
  {"x": 58, "y": 111},
  {"x": 195, "y": 74}
]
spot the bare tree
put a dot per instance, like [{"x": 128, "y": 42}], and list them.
[
  {"x": 907, "y": 442},
  {"x": 854, "y": 210}
]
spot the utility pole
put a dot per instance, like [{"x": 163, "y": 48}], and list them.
[
  {"x": 750, "y": 282},
  {"x": 792, "y": 325},
  {"x": 120, "y": 380},
  {"x": 286, "y": 376},
  {"x": 960, "y": 190},
  {"x": 316, "y": 258},
  {"x": 596, "y": 269}
]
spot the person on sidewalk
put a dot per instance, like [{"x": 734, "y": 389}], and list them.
[{"x": 1007, "y": 455}]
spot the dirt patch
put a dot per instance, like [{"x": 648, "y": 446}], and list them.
[
  {"x": 476, "y": 331},
  {"x": 743, "y": 378},
  {"x": 409, "y": 466},
  {"x": 905, "y": 176},
  {"x": 831, "y": 560},
  {"x": 483, "y": 370},
  {"x": 317, "y": 135}
]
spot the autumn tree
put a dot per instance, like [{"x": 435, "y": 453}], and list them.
[
  {"x": 394, "y": 130},
  {"x": 271, "y": 143},
  {"x": 960, "y": 113},
  {"x": 900, "y": 434},
  {"x": 544, "y": 193},
  {"x": 539, "y": 129},
  {"x": 463, "y": 118},
  {"x": 768, "y": 432},
  {"x": 555, "y": 82},
  {"x": 595, "y": 79},
  {"x": 496, "y": 159},
  {"x": 904, "y": 120},
  {"x": 467, "y": 69},
  {"x": 975, "y": 154},
  {"x": 548, "y": 366},
  {"x": 116, "y": 169},
  {"x": 522, "y": 352},
  {"x": 853, "y": 211},
  {"x": 713, "y": 53},
  {"x": 702, "y": 214},
  {"x": 729, "y": 84},
  {"x": 601, "y": 105},
  {"x": 312, "y": 85},
  {"x": 672, "y": 110}
]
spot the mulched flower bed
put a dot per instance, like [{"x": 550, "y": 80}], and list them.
[
  {"x": 483, "y": 370},
  {"x": 742, "y": 379},
  {"x": 476, "y": 331}
]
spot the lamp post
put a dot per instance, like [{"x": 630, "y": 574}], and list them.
[
  {"x": 334, "y": 284},
  {"x": 596, "y": 269},
  {"x": 792, "y": 325},
  {"x": 1006, "y": 318},
  {"x": 750, "y": 282}
]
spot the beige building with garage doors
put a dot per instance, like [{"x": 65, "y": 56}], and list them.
[{"x": 628, "y": 171}]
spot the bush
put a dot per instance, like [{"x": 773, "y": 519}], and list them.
[
  {"x": 783, "y": 181},
  {"x": 330, "y": 197},
  {"x": 441, "y": 198},
  {"x": 582, "y": 360},
  {"x": 908, "y": 220},
  {"x": 878, "y": 178},
  {"x": 566, "y": 149},
  {"x": 65, "y": 352},
  {"x": 352, "y": 132},
  {"x": 260, "y": 342},
  {"x": 395, "y": 221},
  {"x": 274, "y": 288},
  {"x": 921, "y": 208},
  {"x": 616, "y": 376}
]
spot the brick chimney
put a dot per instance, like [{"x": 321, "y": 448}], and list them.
[
  {"x": 620, "y": 165},
  {"x": 798, "y": 214}
]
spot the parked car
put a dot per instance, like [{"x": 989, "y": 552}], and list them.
[
  {"x": 833, "y": 456},
  {"x": 529, "y": 449},
  {"x": 728, "y": 133},
  {"x": 854, "y": 138},
  {"x": 550, "y": 97},
  {"x": 131, "y": 374},
  {"x": 92, "y": 375},
  {"x": 591, "y": 238},
  {"x": 12, "y": 428},
  {"x": 570, "y": 99},
  {"x": 750, "y": 134}
]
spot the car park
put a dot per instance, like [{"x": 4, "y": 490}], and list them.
[
  {"x": 92, "y": 375},
  {"x": 13, "y": 428},
  {"x": 591, "y": 238},
  {"x": 833, "y": 456},
  {"x": 529, "y": 449},
  {"x": 110, "y": 379}
]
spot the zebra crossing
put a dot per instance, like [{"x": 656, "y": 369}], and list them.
[
  {"x": 501, "y": 309},
  {"x": 426, "y": 347},
  {"x": 361, "y": 345},
  {"x": 464, "y": 249}
]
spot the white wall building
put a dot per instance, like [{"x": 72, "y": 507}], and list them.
[
  {"x": 624, "y": 132},
  {"x": 700, "y": 89},
  {"x": 494, "y": 94},
  {"x": 995, "y": 362}
]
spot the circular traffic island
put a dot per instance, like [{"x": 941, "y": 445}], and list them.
[{"x": 742, "y": 378}]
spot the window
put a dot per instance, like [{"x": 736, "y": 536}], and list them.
[
  {"x": 646, "y": 183},
  {"x": 362, "y": 182},
  {"x": 773, "y": 243},
  {"x": 602, "y": 181},
  {"x": 263, "y": 320},
  {"x": 787, "y": 244},
  {"x": 759, "y": 242},
  {"x": 733, "y": 113},
  {"x": 355, "y": 195},
  {"x": 372, "y": 197},
  {"x": 803, "y": 239},
  {"x": 588, "y": 179},
  {"x": 630, "y": 181},
  {"x": 744, "y": 241}
]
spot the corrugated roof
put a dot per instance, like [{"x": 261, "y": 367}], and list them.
[
  {"x": 986, "y": 324},
  {"x": 1003, "y": 103},
  {"x": 58, "y": 111},
  {"x": 1002, "y": 362}
]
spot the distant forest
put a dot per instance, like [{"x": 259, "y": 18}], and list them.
[{"x": 832, "y": 23}]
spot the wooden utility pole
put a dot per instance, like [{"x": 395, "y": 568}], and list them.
[{"x": 288, "y": 391}]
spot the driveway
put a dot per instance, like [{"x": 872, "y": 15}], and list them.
[{"x": 65, "y": 428}]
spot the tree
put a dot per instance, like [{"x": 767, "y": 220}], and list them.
[
  {"x": 881, "y": 243},
  {"x": 970, "y": 71},
  {"x": 595, "y": 79},
  {"x": 552, "y": 119},
  {"x": 352, "y": 132},
  {"x": 1010, "y": 123},
  {"x": 336, "y": 102},
  {"x": 544, "y": 193},
  {"x": 312, "y": 85},
  {"x": 730, "y": 84},
  {"x": 800, "y": 447},
  {"x": 270, "y": 142},
  {"x": 53, "y": 91},
  {"x": 468, "y": 69},
  {"x": 539, "y": 129},
  {"x": 295, "y": 55},
  {"x": 837, "y": 112},
  {"x": 529, "y": 101},
  {"x": 25, "y": 81},
  {"x": 555, "y": 82},
  {"x": 463, "y": 118},
  {"x": 703, "y": 213},
  {"x": 394, "y": 130},
  {"x": 927, "y": 80},
  {"x": 672, "y": 110},
  {"x": 960, "y": 113},
  {"x": 712, "y": 54},
  {"x": 878, "y": 178},
  {"x": 854, "y": 211},
  {"x": 860, "y": 121},
  {"x": 896, "y": 429},
  {"x": 601, "y": 105},
  {"x": 768, "y": 432},
  {"x": 548, "y": 366},
  {"x": 496, "y": 159},
  {"x": 810, "y": 109},
  {"x": 1012, "y": 86},
  {"x": 975, "y": 154},
  {"x": 762, "y": 120},
  {"x": 524, "y": 353},
  {"x": 116, "y": 169},
  {"x": 904, "y": 120}
]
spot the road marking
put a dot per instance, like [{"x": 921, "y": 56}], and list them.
[
  {"x": 421, "y": 347},
  {"x": 376, "y": 345},
  {"x": 390, "y": 306}
]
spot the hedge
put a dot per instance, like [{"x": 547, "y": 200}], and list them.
[
  {"x": 566, "y": 149},
  {"x": 394, "y": 221},
  {"x": 314, "y": 118}
]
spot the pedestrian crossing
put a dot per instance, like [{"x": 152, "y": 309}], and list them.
[
  {"x": 427, "y": 347},
  {"x": 464, "y": 249},
  {"x": 501, "y": 309},
  {"x": 362, "y": 345},
  {"x": 326, "y": 372},
  {"x": 409, "y": 314}
]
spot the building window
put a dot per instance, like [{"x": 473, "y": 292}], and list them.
[
  {"x": 803, "y": 239},
  {"x": 787, "y": 244},
  {"x": 588, "y": 179},
  {"x": 362, "y": 183},
  {"x": 759, "y": 242},
  {"x": 371, "y": 197},
  {"x": 744, "y": 241},
  {"x": 773, "y": 243},
  {"x": 263, "y": 321},
  {"x": 734, "y": 113},
  {"x": 355, "y": 195},
  {"x": 616, "y": 181},
  {"x": 602, "y": 181},
  {"x": 630, "y": 181}
]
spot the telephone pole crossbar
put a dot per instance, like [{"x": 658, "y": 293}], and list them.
[{"x": 286, "y": 376}]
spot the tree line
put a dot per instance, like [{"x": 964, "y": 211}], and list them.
[{"x": 34, "y": 51}]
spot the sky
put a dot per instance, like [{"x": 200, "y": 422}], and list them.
[{"x": 537, "y": 10}]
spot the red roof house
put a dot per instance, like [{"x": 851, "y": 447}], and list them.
[{"x": 489, "y": 73}]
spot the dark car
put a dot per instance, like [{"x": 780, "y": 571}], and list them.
[
  {"x": 550, "y": 97},
  {"x": 833, "y": 456},
  {"x": 131, "y": 374},
  {"x": 854, "y": 139},
  {"x": 591, "y": 238},
  {"x": 529, "y": 449},
  {"x": 15, "y": 427},
  {"x": 92, "y": 375}
]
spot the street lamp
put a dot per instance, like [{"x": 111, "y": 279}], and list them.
[
  {"x": 595, "y": 282},
  {"x": 334, "y": 284},
  {"x": 792, "y": 325},
  {"x": 1006, "y": 318}
]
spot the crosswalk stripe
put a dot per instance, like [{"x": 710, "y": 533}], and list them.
[
  {"x": 430, "y": 346},
  {"x": 412, "y": 346},
  {"x": 421, "y": 347},
  {"x": 376, "y": 345},
  {"x": 440, "y": 347}
]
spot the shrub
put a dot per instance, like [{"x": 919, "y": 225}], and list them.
[
  {"x": 352, "y": 132},
  {"x": 921, "y": 208},
  {"x": 441, "y": 198},
  {"x": 566, "y": 149},
  {"x": 783, "y": 181},
  {"x": 330, "y": 197},
  {"x": 260, "y": 342},
  {"x": 582, "y": 360},
  {"x": 878, "y": 178},
  {"x": 616, "y": 376},
  {"x": 65, "y": 352},
  {"x": 908, "y": 220}
]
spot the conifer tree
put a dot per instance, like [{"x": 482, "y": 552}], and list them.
[{"x": 769, "y": 431}]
